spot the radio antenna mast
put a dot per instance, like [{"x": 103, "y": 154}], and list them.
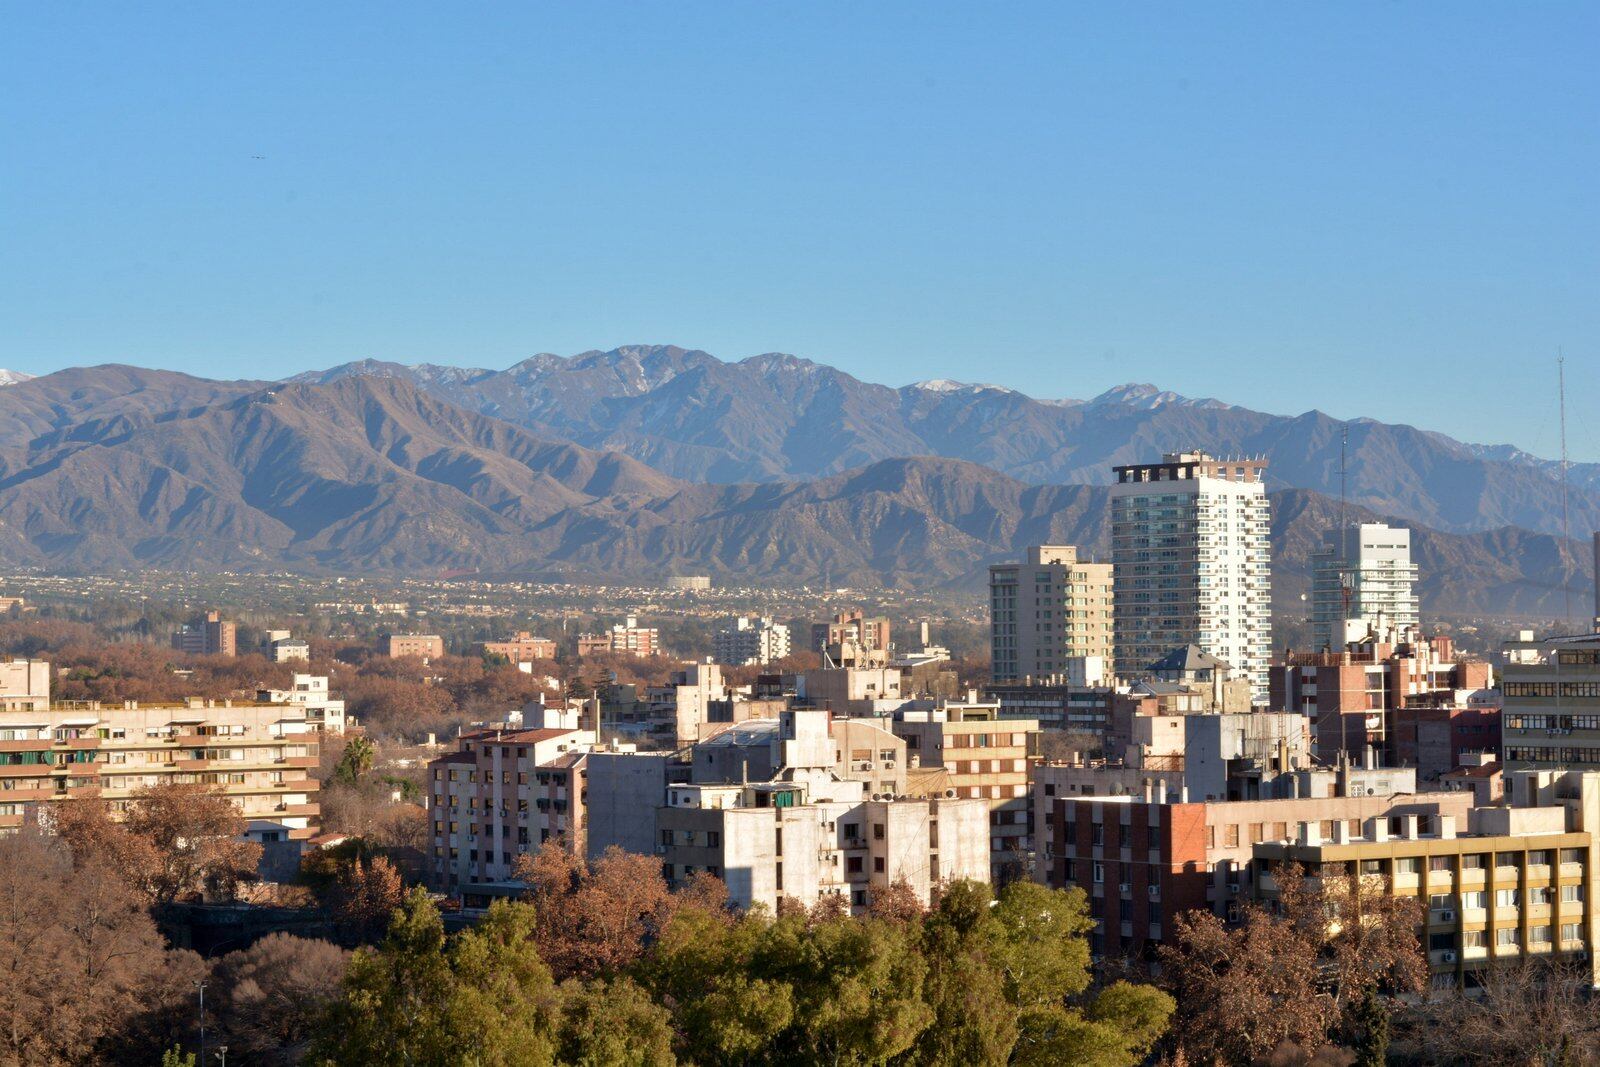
[{"x": 1566, "y": 531}]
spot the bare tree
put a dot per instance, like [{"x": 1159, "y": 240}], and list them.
[{"x": 1533, "y": 1011}]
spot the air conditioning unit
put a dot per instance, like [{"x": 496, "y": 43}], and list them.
[
  {"x": 1125, "y": 888},
  {"x": 661, "y": 850},
  {"x": 1447, "y": 916},
  {"x": 1447, "y": 957},
  {"x": 1235, "y": 889}
]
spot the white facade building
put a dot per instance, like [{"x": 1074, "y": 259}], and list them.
[
  {"x": 1192, "y": 563},
  {"x": 1364, "y": 571},
  {"x": 310, "y": 693},
  {"x": 751, "y": 640},
  {"x": 1046, "y": 611}
]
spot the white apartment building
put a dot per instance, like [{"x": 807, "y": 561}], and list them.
[
  {"x": 751, "y": 640},
  {"x": 1363, "y": 572},
  {"x": 1192, "y": 563},
  {"x": 1046, "y": 612},
  {"x": 310, "y": 694}
]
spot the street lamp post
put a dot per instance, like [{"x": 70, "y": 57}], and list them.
[{"x": 202, "y": 987}]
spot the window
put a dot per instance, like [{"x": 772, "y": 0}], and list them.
[
  {"x": 1099, "y": 873},
  {"x": 1440, "y": 900},
  {"x": 1539, "y": 857},
  {"x": 877, "y": 864},
  {"x": 1572, "y": 894},
  {"x": 1573, "y": 855},
  {"x": 1475, "y": 901},
  {"x": 1230, "y": 836},
  {"x": 1506, "y": 937},
  {"x": 1539, "y": 935},
  {"x": 1571, "y": 932},
  {"x": 853, "y": 865},
  {"x": 666, "y": 837},
  {"x": 1506, "y": 898},
  {"x": 1438, "y": 863},
  {"x": 1539, "y": 894},
  {"x": 1441, "y": 942},
  {"x": 1474, "y": 939},
  {"x": 1408, "y": 865}
]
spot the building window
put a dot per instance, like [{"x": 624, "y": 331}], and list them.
[
  {"x": 1474, "y": 901},
  {"x": 1474, "y": 939},
  {"x": 1572, "y": 894},
  {"x": 1507, "y": 898},
  {"x": 1539, "y": 935},
  {"x": 1571, "y": 932},
  {"x": 1506, "y": 937},
  {"x": 1099, "y": 873}
]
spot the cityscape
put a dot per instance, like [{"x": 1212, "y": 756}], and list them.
[{"x": 1120, "y": 586}]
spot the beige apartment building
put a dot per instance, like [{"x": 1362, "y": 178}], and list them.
[
  {"x": 504, "y": 793},
  {"x": 1507, "y": 883},
  {"x": 1047, "y": 611},
  {"x": 985, "y": 758},
  {"x": 523, "y": 648},
  {"x": 428, "y": 646},
  {"x": 261, "y": 755}
]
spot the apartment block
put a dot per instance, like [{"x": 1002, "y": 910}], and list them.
[
  {"x": 501, "y": 794},
  {"x": 625, "y": 638},
  {"x": 751, "y": 640},
  {"x": 1551, "y": 716},
  {"x": 1191, "y": 562},
  {"x": 309, "y": 693},
  {"x": 427, "y": 646},
  {"x": 1046, "y": 611},
  {"x": 1362, "y": 575},
  {"x": 803, "y": 840},
  {"x": 289, "y": 650},
  {"x": 1352, "y": 695},
  {"x": 259, "y": 754},
  {"x": 1144, "y": 859},
  {"x": 24, "y": 685},
  {"x": 523, "y": 648},
  {"x": 1505, "y": 884},
  {"x": 852, "y": 638},
  {"x": 985, "y": 758},
  {"x": 206, "y": 635}
]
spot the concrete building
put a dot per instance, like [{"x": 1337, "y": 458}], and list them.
[
  {"x": 501, "y": 794},
  {"x": 1045, "y": 612},
  {"x": 24, "y": 685},
  {"x": 1144, "y": 859},
  {"x": 1191, "y": 562},
  {"x": 261, "y": 755},
  {"x": 428, "y": 646},
  {"x": 690, "y": 583},
  {"x": 1504, "y": 884},
  {"x": 289, "y": 650},
  {"x": 1363, "y": 573},
  {"x": 850, "y": 690},
  {"x": 624, "y": 639},
  {"x": 309, "y": 693},
  {"x": 206, "y": 635},
  {"x": 751, "y": 640},
  {"x": 523, "y": 648},
  {"x": 1068, "y": 708},
  {"x": 1551, "y": 717},
  {"x": 800, "y": 841},
  {"x": 852, "y": 639},
  {"x": 986, "y": 758},
  {"x": 1351, "y": 695}
]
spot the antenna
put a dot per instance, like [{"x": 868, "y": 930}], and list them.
[{"x": 1566, "y": 532}]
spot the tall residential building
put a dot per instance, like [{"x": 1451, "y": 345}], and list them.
[
  {"x": 1047, "y": 611},
  {"x": 746, "y": 640},
  {"x": 1191, "y": 560},
  {"x": 310, "y": 694},
  {"x": 207, "y": 635},
  {"x": 503, "y": 793},
  {"x": 1364, "y": 573}
]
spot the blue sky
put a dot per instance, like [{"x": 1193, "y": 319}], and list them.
[{"x": 1385, "y": 210}]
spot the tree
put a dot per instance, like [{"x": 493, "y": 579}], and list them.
[
  {"x": 595, "y": 920},
  {"x": 271, "y": 995},
  {"x": 76, "y": 949},
  {"x": 613, "y": 1024},
  {"x": 355, "y": 761},
  {"x": 368, "y": 893},
  {"x": 198, "y": 837},
  {"x": 1371, "y": 1017},
  {"x": 1291, "y": 976},
  {"x": 1534, "y": 1011},
  {"x": 482, "y": 997}
]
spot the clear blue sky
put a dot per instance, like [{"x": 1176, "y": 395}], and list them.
[{"x": 1375, "y": 209}]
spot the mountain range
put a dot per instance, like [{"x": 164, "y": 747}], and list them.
[{"x": 645, "y": 461}]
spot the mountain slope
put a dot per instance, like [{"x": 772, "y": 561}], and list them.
[
  {"x": 374, "y": 474},
  {"x": 776, "y": 417}
]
